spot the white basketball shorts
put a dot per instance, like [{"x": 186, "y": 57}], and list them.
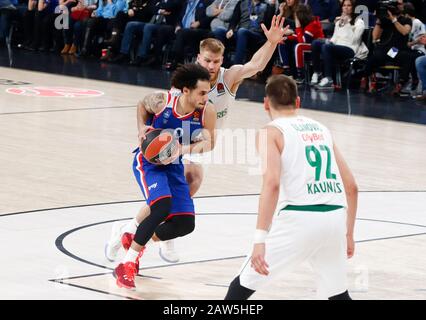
[{"x": 298, "y": 236}]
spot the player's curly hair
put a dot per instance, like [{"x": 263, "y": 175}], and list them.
[{"x": 188, "y": 76}]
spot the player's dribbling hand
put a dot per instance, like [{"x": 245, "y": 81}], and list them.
[
  {"x": 276, "y": 32},
  {"x": 173, "y": 157},
  {"x": 142, "y": 134},
  {"x": 350, "y": 246},
  {"x": 258, "y": 262}
]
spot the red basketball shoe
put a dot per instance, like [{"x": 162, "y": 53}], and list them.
[{"x": 125, "y": 272}]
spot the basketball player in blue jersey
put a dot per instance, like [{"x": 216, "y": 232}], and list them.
[
  {"x": 224, "y": 84},
  {"x": 186, "y": 110}
]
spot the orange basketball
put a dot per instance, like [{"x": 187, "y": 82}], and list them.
[{"x": 159, "y": 146}]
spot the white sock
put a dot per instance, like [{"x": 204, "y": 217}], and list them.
[
  {"x": 131, "y": 226},
  {"x": 131, "y": 255}
]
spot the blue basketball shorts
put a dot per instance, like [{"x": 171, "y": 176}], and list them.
[{"x": 158, "y": 182}]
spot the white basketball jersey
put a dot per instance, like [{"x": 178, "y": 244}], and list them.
[
  {"x": 309, "y": 173},
  {"x": 221, "y": 97}
]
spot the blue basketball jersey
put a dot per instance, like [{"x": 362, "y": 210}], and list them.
[
  {"x": 186, "y": 127},
  {"x": 157, "y": 181}
]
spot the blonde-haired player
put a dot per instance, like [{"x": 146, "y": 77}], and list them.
[
  {"x": 224, "y": 84},
  {"x": 307, "y": 205}
]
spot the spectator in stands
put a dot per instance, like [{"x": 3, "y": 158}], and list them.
[
  {"x": 345, "y": 43},
  {"x": 245, "y": 26},
  {"x": 28, "y": 21},
  {"x": 9, "y": 10},
  {"x": 421, "y": 69},
  {"x": 308, "y": 28},
  {"x": 78, "y": 17},
  {"x": 6, "y": 8},
  {"x": 194, "y": 26},
  {"x": 390, "y": 35},
  {"x": 287, "y": 8},
  {"x": 417, "y": 48},
  {"x": 221, "y": 11},
  {"x": 420, "y": 7},
  {"x": 327, "y": 11},
  {"x": 159, "y": 32},
  {"x": 164, "y": 13},
  {"x": 43, "y": 28},
  {"x": 102, "y": 19},
  {"x": 140, "y": 11}
]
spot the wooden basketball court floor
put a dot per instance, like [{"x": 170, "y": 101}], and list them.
[{"x": 66, "y": 177}]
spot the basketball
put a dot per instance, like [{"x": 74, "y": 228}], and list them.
[{"x": 160, "y": 146}]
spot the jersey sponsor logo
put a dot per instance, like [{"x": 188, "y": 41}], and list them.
[
  {"x": 222, "y": 114},
  {"x": 167, "y": 113},
  {"x": 312, "y": 137},
  {"x": 153, "y": 186},
  {"x": 220, "y": 88},
  {"x": 50, "y": 92},
  {"x": 196, "y": 117},
  {"x": 324, "y": 187}
]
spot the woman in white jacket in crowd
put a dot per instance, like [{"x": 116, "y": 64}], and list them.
[{"x": 345, "y": 43}]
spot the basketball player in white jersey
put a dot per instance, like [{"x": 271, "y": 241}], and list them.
[
  {"x": 224, "y": 85},
  {"x": 307, "y": 205}
]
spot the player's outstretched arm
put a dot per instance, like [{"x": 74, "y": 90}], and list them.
[
  {"x": 351, "y": 190},
  {"x": 151, "y": 104},
  {"x": 269, "y": 144},
  {"x": 260, "y": 59},
  {"x": 209, "y": 134}
]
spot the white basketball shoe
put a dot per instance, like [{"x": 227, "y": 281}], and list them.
[
  {"x": 114, "y": 242},
  {"x": 167, "y": 251}
]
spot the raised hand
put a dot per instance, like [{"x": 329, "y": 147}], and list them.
[{"x": 276, "y": 32}]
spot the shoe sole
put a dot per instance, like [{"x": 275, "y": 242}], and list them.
[
  {"x": 165, "y": 259},
  {"x": 115, "y": 229},
  {"x": 106, "y": 255}
]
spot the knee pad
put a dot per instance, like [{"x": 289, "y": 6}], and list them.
[
  {"x": 159, "y": 212},
  {"x": 177, "y": 226},
  {"x": 185, "y": 225}
]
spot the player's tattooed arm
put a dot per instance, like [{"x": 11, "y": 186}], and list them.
[
  {"x": 154, "y": 102},
  {"x": 150, "y": 105}
]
